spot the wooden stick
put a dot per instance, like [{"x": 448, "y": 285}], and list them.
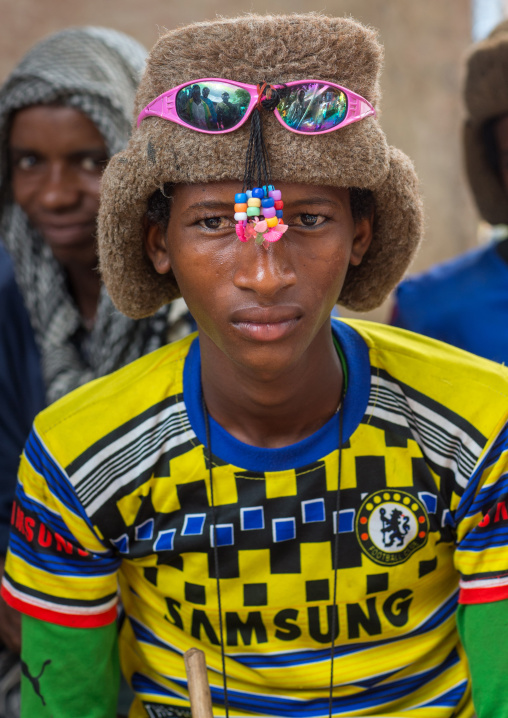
[{"x": 197, "y": 681}]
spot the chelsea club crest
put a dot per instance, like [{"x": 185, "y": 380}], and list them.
[{"x": 391, "y": 526}]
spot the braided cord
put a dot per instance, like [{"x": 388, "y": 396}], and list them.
[
  {"x": 216, "y": 556},
  {"x": 335, "y": 558}
]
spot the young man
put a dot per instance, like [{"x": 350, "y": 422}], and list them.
[
  {"x": 226, "y": 112},
  {"x": 276, "y": 490},
  {"x": 211, "y": 107},
  {"x": 198, "y": 110}
]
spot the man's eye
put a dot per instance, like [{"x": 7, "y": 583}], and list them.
[
  {"x": 26, "y": 162},
  {"x": 215, "y": 223},
  {"x": 310, "y": 220},
  {"x": 92, "y": 164}
]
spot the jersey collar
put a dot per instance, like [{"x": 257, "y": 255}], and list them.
[{"x": 314, "y": 447}]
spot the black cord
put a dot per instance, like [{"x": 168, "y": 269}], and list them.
[
  {"x": 276, "y": 95},
  {"x": 257, "y": 170},
  {"x": 335, "y": 553},
  {"x": 216, "y": 554},
  {"x": 247, "y": 173},
  {"x": 335, "y": 557}
]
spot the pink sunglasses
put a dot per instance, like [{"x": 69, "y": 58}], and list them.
[{"x": 216, "y": 106}]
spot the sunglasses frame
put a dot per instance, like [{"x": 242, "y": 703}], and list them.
[{"x": 164, "y": 106}]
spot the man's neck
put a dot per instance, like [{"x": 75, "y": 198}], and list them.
[
  {"x": 272, "y": 411},
  {"x": 85, "y": 285}
]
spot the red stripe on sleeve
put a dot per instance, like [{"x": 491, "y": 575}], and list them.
[
  {"x": 483, "y": 595},
  {"x": 70, "y": 620}
]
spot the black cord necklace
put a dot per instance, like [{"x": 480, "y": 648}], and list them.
[
  {"x": 335, "y": 552},
  {"x": 215, "y": 553}
]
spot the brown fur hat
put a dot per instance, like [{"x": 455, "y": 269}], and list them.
[
  {"x": 486, "y": 98},
  {"x": 253, "y": 49}
]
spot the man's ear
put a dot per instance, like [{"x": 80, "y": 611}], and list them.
[
  {"x": 362, "y": 239},
  {"x": 156, "y": 248}
]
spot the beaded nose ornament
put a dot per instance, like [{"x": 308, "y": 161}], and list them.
[
  {"x": 258, "y": 211},
  {"x": 258, "y": 214}
]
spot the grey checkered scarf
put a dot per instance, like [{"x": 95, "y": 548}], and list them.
[{"x": 95, "y": 70}]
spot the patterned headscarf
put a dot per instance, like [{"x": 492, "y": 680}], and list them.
[{"x": 94, "y": 70}]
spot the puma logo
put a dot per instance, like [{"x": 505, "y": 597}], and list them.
[{"x": 35, "y": 680}]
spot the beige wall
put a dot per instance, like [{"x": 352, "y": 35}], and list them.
[{"x": 424, "y": 42}]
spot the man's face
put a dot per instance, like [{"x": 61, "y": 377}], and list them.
[
  {"x": 261, "y": 308},
  {"x": 57, "y": 156},
  {"x": 225, "y": 96},
  {"x": 501, "y": 135},
  {"x": 196, "y": 93},
  {"x": 206, "y": 92}
]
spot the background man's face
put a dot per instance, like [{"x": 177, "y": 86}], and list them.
[{"x": 57, "y": 156}]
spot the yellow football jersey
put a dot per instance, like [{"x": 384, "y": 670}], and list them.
[{"x": 115, "y": 484}]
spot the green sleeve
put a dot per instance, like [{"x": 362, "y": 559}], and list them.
[
  {"x": 68, "y": 671},
  {"x": 483, "y": 629}
]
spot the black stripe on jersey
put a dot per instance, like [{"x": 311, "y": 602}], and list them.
[
  {"x": 433, "y": 436},
  {"x": 483, "y": 576},
  {"x": 145, "y": 445},
  {"x": 120, "y": 431},
  {"x": 130, "y": 454},
  {"x": 103, "y": 515},
  {"x": 432, "y": 405},
  {"x": 50, "y": 598}
]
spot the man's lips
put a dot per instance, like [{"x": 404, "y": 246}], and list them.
[
  {"x": 66, "y": 231},
  {"x": 266, "y": 323}
]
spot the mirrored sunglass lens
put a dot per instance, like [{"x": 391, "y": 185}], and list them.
[
  {"x": 213, "y": 106},
  {"x": 313, "y": 107}
]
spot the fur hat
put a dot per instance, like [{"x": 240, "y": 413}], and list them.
[
  {"x": 253, "y": 49},
  {"x": 486, "y": 98}
]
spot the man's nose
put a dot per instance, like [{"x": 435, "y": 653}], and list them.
[
  {"x": 58, "y": 189},
  {"x": 265, "y": 270}
]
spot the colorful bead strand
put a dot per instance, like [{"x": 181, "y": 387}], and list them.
[{"x": 258, "y": 214}]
